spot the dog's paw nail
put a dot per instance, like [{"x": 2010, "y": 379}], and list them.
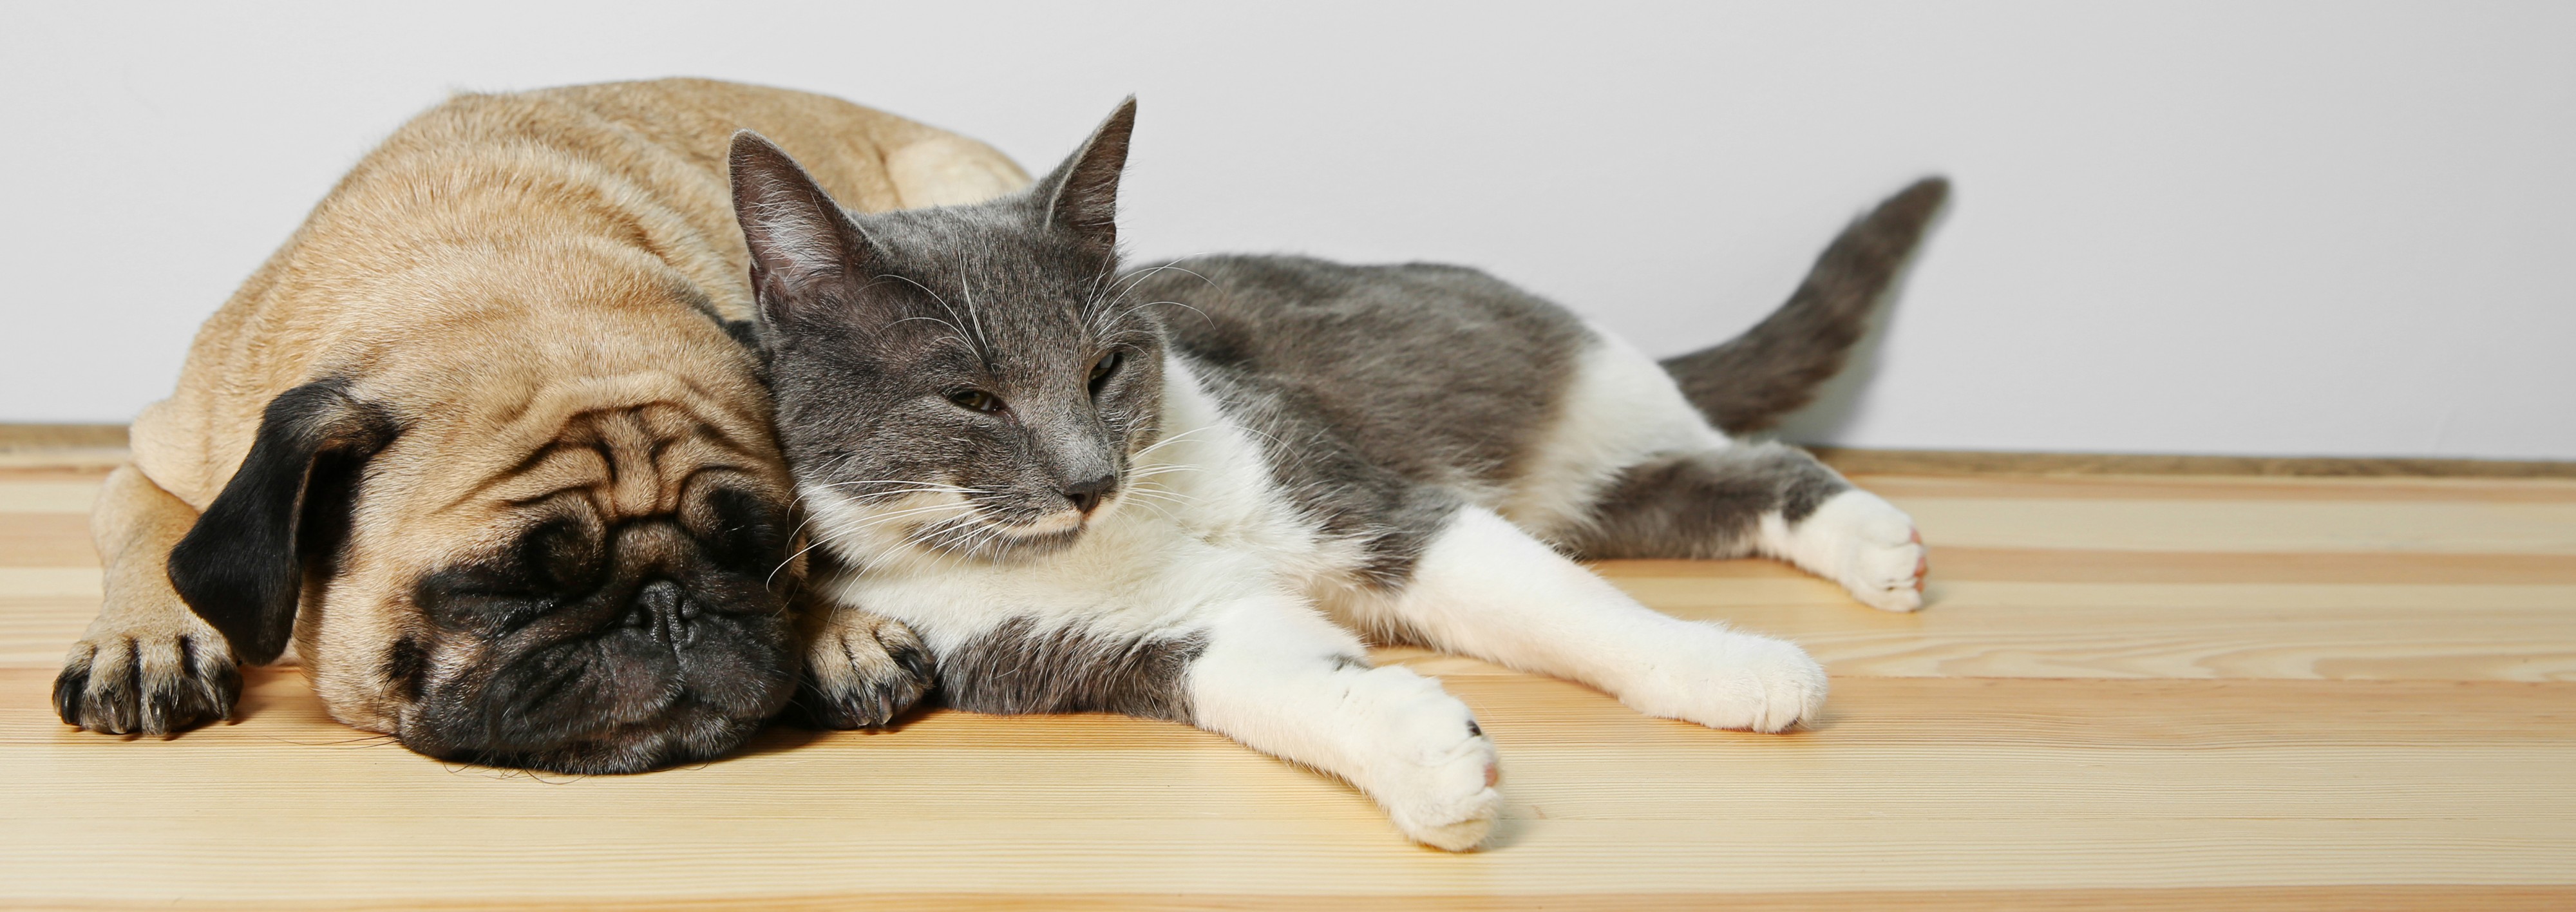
[
  {"x": 862, "y": 674},
  {"x": 146, "y": 682}
]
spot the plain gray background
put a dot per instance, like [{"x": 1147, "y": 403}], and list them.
[{"x": 2328, "y": 228}]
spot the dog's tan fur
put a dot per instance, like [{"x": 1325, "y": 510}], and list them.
[{"x": 531, "y": 282}]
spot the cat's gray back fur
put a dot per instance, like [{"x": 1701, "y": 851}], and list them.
[{"x": 1383, "y": 396}]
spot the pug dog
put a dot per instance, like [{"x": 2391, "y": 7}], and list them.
[{"x": 481, "y": 447}]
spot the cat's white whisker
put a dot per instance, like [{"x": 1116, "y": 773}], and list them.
[
  {"x": 880, "y": 519},
  {"x": 986, "y": 349},
  {"x": 929, "y": 317},
  {"x": 1168, "y": 441},
  {"x": 964, "y": 281},
  {"x": 832, "y": 532},
  {"x": 1102, "y": 306},
  {"x": 772, "y": 579},
  {"x": 1164, "y": 469},
  {"x": 1137, "y": 307},
  {"x": 1165, "y": 494},
  {"x": 955, "y": 331},
  {"x": 900, "y": 487}
]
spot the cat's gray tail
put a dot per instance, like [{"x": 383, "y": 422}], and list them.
[{"x": 1747, "y": 383}]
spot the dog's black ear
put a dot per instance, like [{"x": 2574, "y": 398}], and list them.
[
  {"x": 1082, "y": 193},
  {"x": 799, "y": 238},
  {"x": 242, "y": 566}
]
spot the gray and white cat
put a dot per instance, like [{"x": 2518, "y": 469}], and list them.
[{"x": 1193, "y": 493}]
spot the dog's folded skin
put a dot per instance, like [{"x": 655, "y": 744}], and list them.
[{"x": 481, "y": 449}]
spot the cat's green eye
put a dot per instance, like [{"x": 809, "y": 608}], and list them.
[
  {"x": 1101, "y": 369},
  {"x": 978, "y": 400}
]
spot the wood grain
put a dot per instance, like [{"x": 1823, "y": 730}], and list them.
[
  {"x": 2129, "y": 487},
  {"x": 2053, "y": 565},
  {"x": 46, "y": 540},
  {"x": 1853, "y": 460},
  {"x": 51, "y": 439},
  {"x": 2444, "y": 898},
  {"x": 2285, "y": 695},
  {"x": 61, "y": 495},
  {"x": 2078, "y": 784},
  {"x": 2441, "y": 527}
]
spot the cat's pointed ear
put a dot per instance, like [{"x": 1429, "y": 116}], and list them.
[
  {"x": 1082, "y": 194},
  {"x": 800, "y": 239}
]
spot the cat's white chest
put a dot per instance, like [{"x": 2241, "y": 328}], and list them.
[{"x": 1210, "y": 479}]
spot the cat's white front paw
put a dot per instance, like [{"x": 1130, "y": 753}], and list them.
[
  {"x": 1724, "y": 679},
  {"x": 1435, "y": 770},
  {"x": 1869, "y": 546}
]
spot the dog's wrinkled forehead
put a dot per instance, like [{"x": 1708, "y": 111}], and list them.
[
  {"x": 628, "y": 462},
  {"x": 628, "y": 456}
]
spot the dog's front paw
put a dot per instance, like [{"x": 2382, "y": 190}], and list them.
[
  {"x": 1871, "y": 548},
  {"x": 1724, "y": 679},
  {"x": 1437, "y": 771},
  {"x": 862, "y": 670},
  {"x": 145, "y": 679}
]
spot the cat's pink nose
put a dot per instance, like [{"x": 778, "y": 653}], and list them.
[{"x": 1493, "y": 774}]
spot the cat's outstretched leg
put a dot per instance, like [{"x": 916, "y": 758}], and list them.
[
  {"x": 1486, "y": 589},
  {"x": 1765, "y": 499},
  {"x": 1284, "y": 681}
]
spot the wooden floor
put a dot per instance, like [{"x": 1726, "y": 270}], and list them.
[{"x": 2128, "y": 692}]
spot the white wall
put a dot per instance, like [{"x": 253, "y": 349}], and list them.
[{"x": 2277, "y": 228}]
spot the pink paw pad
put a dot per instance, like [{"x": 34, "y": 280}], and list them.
[{"x": 1923, "y": 564}]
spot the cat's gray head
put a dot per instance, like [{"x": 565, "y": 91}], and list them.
[{"x": 966, "y": 379}]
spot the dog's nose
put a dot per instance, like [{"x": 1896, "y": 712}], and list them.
[
  {"x": 1086, "y": 495},
  {"x": 660, "y": 608}
]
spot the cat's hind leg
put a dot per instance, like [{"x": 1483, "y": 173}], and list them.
[
  {"x": 1763, "y": 499},
  {"x": 1283, "y": 680},
  {"x": 1484, "y": 588}
]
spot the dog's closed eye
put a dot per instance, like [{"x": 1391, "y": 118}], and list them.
[
  {"x": 739, "y": 527},
  {"x": 561, "y": 555}
]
